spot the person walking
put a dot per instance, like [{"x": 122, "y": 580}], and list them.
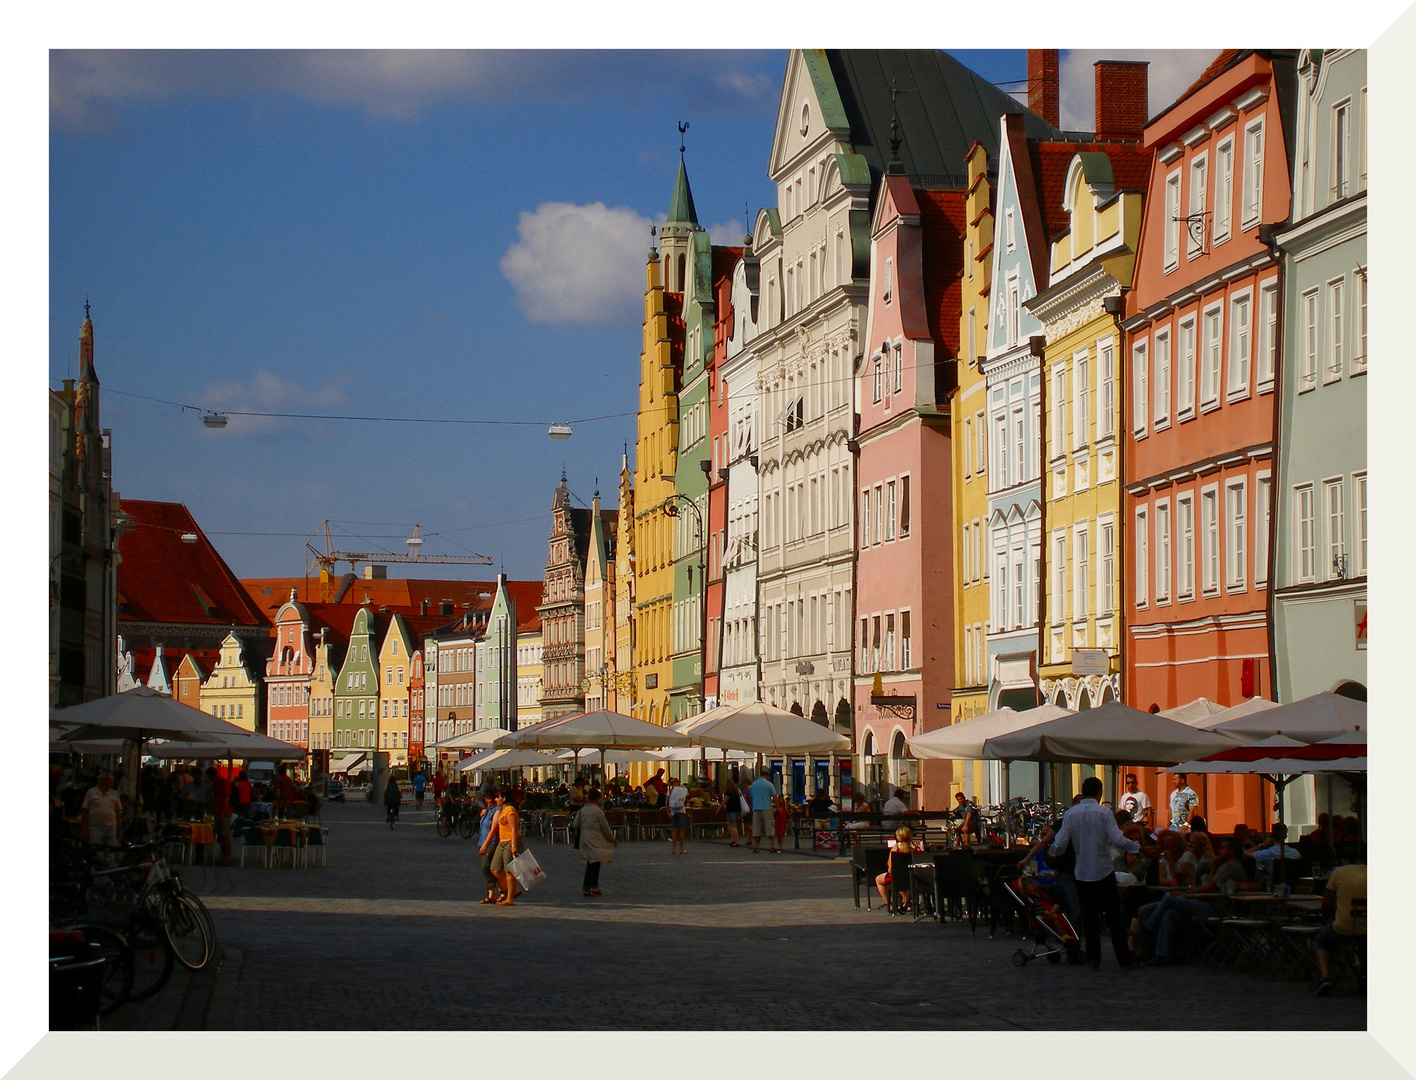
[
  {"x": 678, "y": 817},
  {"x": 221, "y": 812},
  {"x": 486, "y": 846},
  {"x": 1091, "y": 831},
  {"x": 419, "y": 782},
  {"x": 508, "y": 843},
  {"x": 439, "y": 786},
  {"x": 393, "y": 798},
  {"x": 732, "y": 810},
  {"x": 762, "y": 791},
  {"x": 595, "y": 838}
]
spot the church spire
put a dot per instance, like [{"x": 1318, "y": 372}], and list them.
[{"x": 681, "y": 209}]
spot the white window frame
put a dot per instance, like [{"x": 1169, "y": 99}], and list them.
[
  {"x": 1212, "y": 356},
  {"x": 1000, "y": 449},
  {"x": 968, "y": 448},
  {"x": 899, "y": 359},
  {"x": 1140, "y": 386},
  {"x": 1359, "y": 531},
  {"x": 1335, "y": 329},
  {"x": 1105, "y": 566},
  {"x": 1018, "y": 432},
  {"x": 1241, "y": 345},
  {"x": 980, "y": 444},
  {"x": 1253, "y": 194},
  {"x": 1263, "y": 513},
  {"x": 1163, "y": 549},
  {"x": 1266, "y": 358},
  {"x": 1210, "y": 539},
  {"x": 1081, "y": 573},
  {"x": 1081, "y": 380},
  {"x": 1305, "y": 521},
  {"x": 1309, "y": 335},
  {"x": 1359, "y": 355},
  {"x": 1010, "y": 230},
  {"x": 1236, "y": 526},
  {"x": 1105, "y": 388},
  {"x": 1058, "y": 435},
  {"x": 1142, "y": 549},
  {"x": 1185, "y": 546},
  {"x": 1059, "y": 580},
  {"x": 1187, "y": 331},
  {"x": 1223, "y": 190},
  {"x": 1339, "y": 181},
  {"x": 1164, "y": 366},
  {"x": 891, "y": 510},
  {"x": 1199, "y": 194},
  {"x": 1172, "y": 221},
  {"x": 1334, "y": 534}
]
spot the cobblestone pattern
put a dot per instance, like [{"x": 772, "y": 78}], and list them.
[{"x": 390, "y": 937}]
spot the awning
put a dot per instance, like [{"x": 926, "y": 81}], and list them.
[{"x": 347, "y": 762}]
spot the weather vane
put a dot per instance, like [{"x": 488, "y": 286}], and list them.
[{"x": 683, "y": 127}]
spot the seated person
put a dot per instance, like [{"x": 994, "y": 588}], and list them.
[
  {"x": 1267, "y": 857},
  {"x": 965, "y": 816},
  {"x": 1244, "y": 840},
  {"x": 897, "y": 803},
  {"x": 1167, "y": 918},
  {"x": 1172, "y": 850},
  {"x": 1195, "y": 864},
  {"x": 1346, "y": 898},
  {"x": 904, "y": 842},
  {"x": 820, "y": 805},
  {"x": 1136, "y": 863}
]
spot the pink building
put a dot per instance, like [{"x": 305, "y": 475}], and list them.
[
  {"x": 287, "y": 675},
  {"x": 904, "y": 587}
]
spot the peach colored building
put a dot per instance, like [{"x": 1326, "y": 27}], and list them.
[
  {"x": 1202, "y": 347},
  {"x": 904, "y": 583}
]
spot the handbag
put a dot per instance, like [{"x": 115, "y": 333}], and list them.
[
  {"x": 746, "y": 810},
  {"x": 526, "y": 870}
]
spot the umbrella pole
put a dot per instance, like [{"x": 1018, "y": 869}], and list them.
[{"x": 1007, "y": 807}]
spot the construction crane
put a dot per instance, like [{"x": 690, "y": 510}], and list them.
[{"x": 327, "y": 559}]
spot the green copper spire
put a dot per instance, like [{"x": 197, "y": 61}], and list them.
[{"x": 681, "y": 209}]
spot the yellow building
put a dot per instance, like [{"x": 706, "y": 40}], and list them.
[
  {"x": 394, "y": 666},
  {"x": 322, "y": 698},
  {"x": 230, "y": 692},
  {"x": 528, "y": 671},
  {"x": 968, "y": 425},
  {"x": 656, "y": 458},
  {"x": 1090, "y": 264},
  {"x": 620, "y": 693}
]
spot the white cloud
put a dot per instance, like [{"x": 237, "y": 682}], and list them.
[
  {"x": 578, "y": 263},
  {"x": 268, "y": 393},
  {"x": 727, "y": 233},
  {"x": 85, "y": 86},
  {"x": 1171, "y": 71}
]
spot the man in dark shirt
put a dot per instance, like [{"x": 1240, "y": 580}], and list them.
[
  {"x": 221, "y": 812},
  {"x": 284, "y": 789}
]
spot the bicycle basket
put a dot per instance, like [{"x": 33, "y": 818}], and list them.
[{"x": 110, "y": 904}]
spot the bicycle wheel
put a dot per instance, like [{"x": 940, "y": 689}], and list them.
[
  {"x": 186, "y": 932},
  {"x": 117, "y": 984},
  {"x": 205, "y": 916},
  {"x": 444, "y": 827},
  {"x": 466, "y": 826},
  {"x": 152, "y": 961}
]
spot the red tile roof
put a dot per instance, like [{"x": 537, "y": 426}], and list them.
[
  {"x": 724, "y": 259},
  {"x": 163, "y": 580},
  {"x": 1130, "y": 170},
  {"x": 1216, "y": 66},
  {"x": 943, "y": 221},
  {"x": 394, "y": 592}
]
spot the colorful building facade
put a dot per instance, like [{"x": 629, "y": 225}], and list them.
[{"x": 287, "y": 675}]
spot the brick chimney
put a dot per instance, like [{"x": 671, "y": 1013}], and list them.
[
  {"x": 1121, "y": 102},
  {"x": 1043, "y": 82}
]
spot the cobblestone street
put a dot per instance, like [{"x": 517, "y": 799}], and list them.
[{"x": 390, "y": 937}]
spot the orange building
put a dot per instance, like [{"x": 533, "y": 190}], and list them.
[{"x": 1202, "y": 341}]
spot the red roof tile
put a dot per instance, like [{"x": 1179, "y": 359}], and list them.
[
  {"x": 943, "y": 220},
  {"x": 394, "y": 592},
  {"x": 1216, "y": 66},
  {"x": 163, "y": 580},
  {"x": 724, "y": 259}
]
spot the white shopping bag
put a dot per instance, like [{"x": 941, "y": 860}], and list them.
[{"x": 526, "y": 870}]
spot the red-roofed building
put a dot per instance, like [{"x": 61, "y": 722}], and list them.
[
  {"x": 904, "y": 472},
  {"x": 174, "y": 588}
]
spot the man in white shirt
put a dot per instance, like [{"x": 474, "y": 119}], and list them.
[
  {"x": 101, "y": 815},
  {"x": 1091, "y": 831},
  {"x": 1137, "y": 802},
  {"x": 895, "y": 804},
  {"x": 678, "y": 817}
]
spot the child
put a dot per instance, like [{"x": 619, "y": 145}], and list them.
[{"x": 779, "y": 819}]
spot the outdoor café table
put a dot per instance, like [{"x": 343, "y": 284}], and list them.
[
  {"x": 193, "y": 834},
  {"x": 268, "y": 830},
  {"x": 1305, "y": 905}
]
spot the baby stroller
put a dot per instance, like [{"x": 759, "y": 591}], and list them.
[{"x": 1052, "y": 933}]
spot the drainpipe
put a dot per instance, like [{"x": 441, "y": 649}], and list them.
[
  {"x": 1268, "y": 237},
  {"x": 854, "y": 447},
  {"x": 1116, "y": 308},
  {"x": 1037, "y": 345}
]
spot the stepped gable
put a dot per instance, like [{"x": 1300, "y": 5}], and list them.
[{"x": 164, "y": 580}]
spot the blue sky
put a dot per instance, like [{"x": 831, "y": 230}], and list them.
[{"x": 451, "y": 235}]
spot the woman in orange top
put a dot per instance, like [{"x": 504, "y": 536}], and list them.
[{"x": 508, "y": 826}]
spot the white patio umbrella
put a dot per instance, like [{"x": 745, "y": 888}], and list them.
[
  {"x": 601, "y": 730},
  {"x": 139, "y": 714},
  {"x": 1312, "y": 719},
  {"x": 1112, "y": 734},
  {"x": 1196, "y": 713},
  {"x": 765, "y": 729},
  {"x": 244, "y": 745},
  {"x": 490, "y": 760},
  {"x": 480, "y": 739}
]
